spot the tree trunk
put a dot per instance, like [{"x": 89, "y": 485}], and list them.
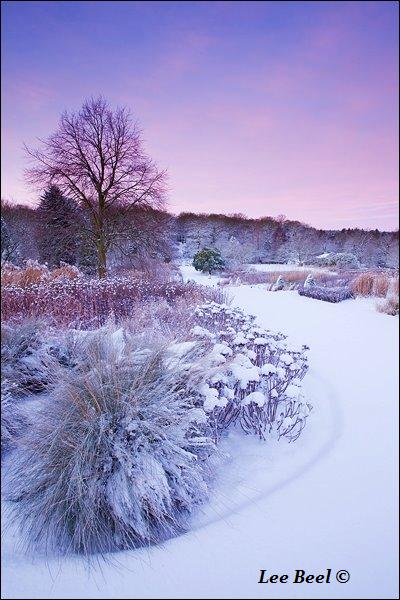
[
  {"x": 101, "y": 256},
  {"x": 101, "y": 242}
]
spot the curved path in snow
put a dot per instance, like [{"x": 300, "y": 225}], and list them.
[{"x": 327, "y": 501}]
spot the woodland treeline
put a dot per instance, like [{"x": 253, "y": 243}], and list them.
[{"x": 51, "y": 237}]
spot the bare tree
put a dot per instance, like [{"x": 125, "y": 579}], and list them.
[
  {"x": 96, "y": 157},
  {"x": 301, "y": 240},
  {"x": 148, "y": 234}
]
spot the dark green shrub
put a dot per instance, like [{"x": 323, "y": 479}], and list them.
[{"x": 208, "y": 260}]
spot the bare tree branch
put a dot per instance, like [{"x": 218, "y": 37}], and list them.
[{"x": 96, "y": 157}]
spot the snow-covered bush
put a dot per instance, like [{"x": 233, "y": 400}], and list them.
[
  {"x": 310, "y": 281},
  {"x": 328, "y": 294},
  {"x": 292, "y": 279},
  {"x": 340, "y": 260},
  {"x": 390, "y": 304},
  {"x": 13, "y": 420},
  {"x": 122, "y": 446},
  {"x": 279, "y": 284},
  {"x": 347, "y": 261},
  {"x": 25, "y": 358},
  {"x": 258, "y": 383},
  {"x": 84, "y": 303},
  {"x": 119, "y": 455}
]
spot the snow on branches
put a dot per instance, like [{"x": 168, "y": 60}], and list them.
[
  {"x": 258, "y": 380},
  {"x": 122, "y": 446}
]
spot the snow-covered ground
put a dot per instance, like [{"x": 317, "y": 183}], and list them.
[
  {"x": 274, "y": 267},
  {"x": 326, "y": 501}
]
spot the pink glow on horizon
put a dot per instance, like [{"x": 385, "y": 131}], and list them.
[{"x": 304, "y": 126}]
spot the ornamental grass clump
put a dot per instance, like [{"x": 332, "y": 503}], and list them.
[
  {"x": 13, "y": 420},
  {"x": 371, "y": 284},
  {"x": 26, "y": 361},
  {"x": 119, "y": 455},
  {"x": 390, "y": 304}
]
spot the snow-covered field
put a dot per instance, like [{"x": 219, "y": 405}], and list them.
[
  {"x": 326, "y": 501},
  {"x": 276, "y": 267}
]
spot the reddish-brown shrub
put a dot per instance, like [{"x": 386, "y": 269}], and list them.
[
  {"x": 370, "y": 284},
  {"x": 86, "y": 303},
  {"x": 65, "y": 272},
  {"x": 390, "y": 305},
  {"x": 33, "y": 273}
]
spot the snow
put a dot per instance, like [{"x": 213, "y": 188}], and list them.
[
  {"x": 267, "y": 369},
  {"x": 200, "y": 332},
  {"x": 286, "y": 358},
  {"x": 245, "y": 374},
  {"x": 256, "y": 397},
  {"x": 329, "y": 500},
  {"x": 240, "y": 340},
  {"x": 180, "y": 349},
  {"x": 292, "y": 391},
  {"x": 285, "y": 267},
  {"x": 211, "y": 398},
  {"x": 189, "y": 273},
  {"x": 261, "y": 341},
  {"x": 222, "y": 349}
]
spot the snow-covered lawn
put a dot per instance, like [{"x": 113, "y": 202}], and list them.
[
  {"x": 275, "y": 267},
  {"x": 190, "y": 273},
  {"x": 326, "y": 501}
]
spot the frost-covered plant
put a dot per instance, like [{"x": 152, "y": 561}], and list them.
[
  {"x": 327, "y": 294},
  {"x": 119, "y": 455},
  {"x": 292, "y": 279},
  {"x": 25, "y": 358},
  {"x": 83, "y": 303},
  {"x": 13, "y": 420},
  {"x": 310, "y": 281},
  {"x": 279, "y": 284},
  {"x": 258, "y": 384},
  {"x": 340, "y": 260},
  {"x": 390, "y": 304}
]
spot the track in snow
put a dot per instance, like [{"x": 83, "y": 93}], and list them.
[{"x": 326, "y": 501}]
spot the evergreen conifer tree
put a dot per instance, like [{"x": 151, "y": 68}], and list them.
[{"x": 59, "y": 228}]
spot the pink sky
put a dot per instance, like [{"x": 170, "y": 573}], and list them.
[{"x": 260, "y": 108}]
